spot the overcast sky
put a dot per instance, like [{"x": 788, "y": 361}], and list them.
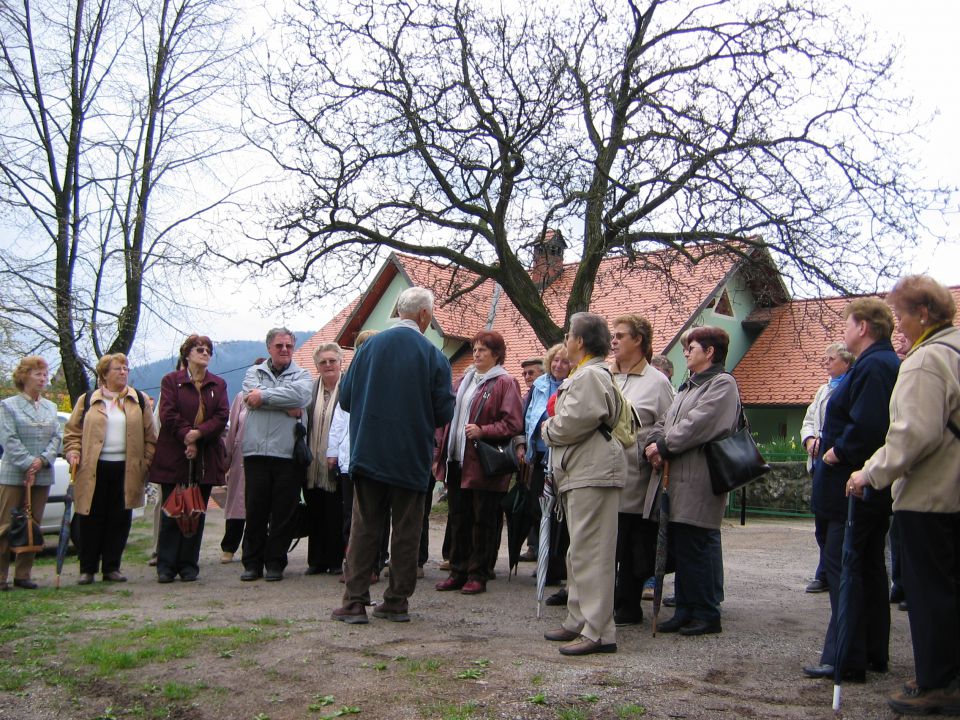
[{"x": 930, "y": 61}]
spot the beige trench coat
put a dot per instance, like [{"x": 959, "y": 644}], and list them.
[{"x": 85, "y": 435}]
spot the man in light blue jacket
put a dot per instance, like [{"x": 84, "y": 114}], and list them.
[{"x": 275, "y": 393}]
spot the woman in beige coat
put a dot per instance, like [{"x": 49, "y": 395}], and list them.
[
  {"x": 109, "y": 440},
  {"x": 650, "y": 394},
  {"x": 589, "y": 470},
  {"x": 706, "y": 408},
  {"x": 920, "y": 457}
]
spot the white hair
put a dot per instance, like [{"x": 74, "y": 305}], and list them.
[{"x": 413, "y": 300}]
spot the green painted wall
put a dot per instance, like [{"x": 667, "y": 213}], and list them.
[
  {"x": 771, "y": 423},
  {"x": 382, "y": 317},
  {"x": 742, "y": 303}
]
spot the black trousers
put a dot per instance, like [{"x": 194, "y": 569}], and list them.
[
  {"x": 176, "y": 554},
  {"x": 272, "y": 494},
  {"x": 636, "y": 558},
  {"x": 325, "y": 543},
  {"x": 698, "y": 586},
  {"x": 896, "y": 565},
  {"x": 424, "y": 551},
  {"x": 232, "y": 534},
  {"x": 103, "y": 533},
  {"x": 871, "y": 633},
  {"x": 537, "y": 473},
  {"x": 474, "y": 518},
  {"x": 931, "y": 580},
  {"x": 820, "y": 533}
]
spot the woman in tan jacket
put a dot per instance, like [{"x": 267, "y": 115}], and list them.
[
  {"x": 109, "y": 440},
  {"x": 589, "y": 469},
  {"x": 920, "y": 457}
]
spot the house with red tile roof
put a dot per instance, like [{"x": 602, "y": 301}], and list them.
[
  {"x": 776, "y": 344},
  {"x": 780, "y": 373}
]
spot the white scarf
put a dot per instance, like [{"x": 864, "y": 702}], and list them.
[{"x": 472, "y": 380}]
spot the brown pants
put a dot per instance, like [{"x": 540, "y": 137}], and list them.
[
  {"x": 374, "y": 502},
  {"x": 11, "y": 496}
]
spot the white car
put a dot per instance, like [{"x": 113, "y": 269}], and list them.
[{"x": 53, "y": 513}]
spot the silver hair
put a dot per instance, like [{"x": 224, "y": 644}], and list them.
[
  {"x": 841, "y": 350},
  {"x": 327, "y": 347},
  {"x": 273, "y": 332},
  {"x": 593, "y": 330},
  {"x": 413, "y": 300}
]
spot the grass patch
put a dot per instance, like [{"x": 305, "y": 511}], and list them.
[
  {"x": 571, "y": 713},
  {"x": 428, "y": 665},
  {"x": 630, "y": 710},
  {"x": 440, "y": 509},
  {"x": 181, "y": 691},
  {"x": 451, "y": 711},
  {"x": 268, "y": 622},
  {"x": 159, "y": 642}
]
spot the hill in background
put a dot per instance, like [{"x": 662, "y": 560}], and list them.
[{"x": 230, "y": 361}]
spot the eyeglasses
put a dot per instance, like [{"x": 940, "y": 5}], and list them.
[
  {"x": 203, "y": 349},
  {"x": 327, "y": 362},
  {"x": 283, "y": 346}
]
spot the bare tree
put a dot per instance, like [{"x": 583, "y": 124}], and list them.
[
  {"x": 762, "y": 130},
  {"x": 114, "y": 114}
]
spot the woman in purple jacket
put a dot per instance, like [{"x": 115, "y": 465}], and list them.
[{"x": 193, "y": 415}]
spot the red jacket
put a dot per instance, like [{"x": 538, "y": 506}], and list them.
[
  {"x": 500, "y": 419},
  {"x": 179, "y": 402}
]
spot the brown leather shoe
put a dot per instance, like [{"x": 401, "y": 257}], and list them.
[
  {"x": 85, "y": 579},
  {"x": 354, "y": 614},
  {"x": 393, "y": 614},
  {"x": 113, "y": 577},
  {"x": 586, "y": 646},
  {"x": 561, "y": 634}
]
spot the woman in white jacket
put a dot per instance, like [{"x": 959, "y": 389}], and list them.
[{"x": 836, "y": 361}]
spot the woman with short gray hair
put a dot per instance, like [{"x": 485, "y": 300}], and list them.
[
  {"x": 836, "y": 361},
  {"x": 323, "y": 491},
  {"x": 589, "y": 470}
]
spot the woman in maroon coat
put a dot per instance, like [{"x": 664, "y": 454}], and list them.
[
  {"x": 488, "y": 408},
  {"x": 193, "y": 414}
]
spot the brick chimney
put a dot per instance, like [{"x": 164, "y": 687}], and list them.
[{"x": 547, "y": 259}]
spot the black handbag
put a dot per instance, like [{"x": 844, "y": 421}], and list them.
[
  {"x": 734, "y": 460},
  {"x": 302, "y": 454},
  {"x": 496, "y": 458},
  {"x": 24, "y": 535}
]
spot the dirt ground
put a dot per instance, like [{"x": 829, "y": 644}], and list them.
[{"x": 493, "y": 641}]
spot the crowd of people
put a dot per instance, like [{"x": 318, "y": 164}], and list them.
[{"x": 349, "y": 461}]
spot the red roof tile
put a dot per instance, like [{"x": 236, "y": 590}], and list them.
[
  {"x": 303, "y": 356},
  {"x": 783, "y": 366},
  {"x": 663, "y": 286}
]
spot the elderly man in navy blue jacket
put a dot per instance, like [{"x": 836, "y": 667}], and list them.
[
  {"x": 398, "y": 391},
  {"x": 854, "y": 426}
]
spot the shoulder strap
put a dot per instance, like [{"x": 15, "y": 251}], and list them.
[
  {"x": 86, "y": 402},
  {"x": 951, "y": 425}
]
